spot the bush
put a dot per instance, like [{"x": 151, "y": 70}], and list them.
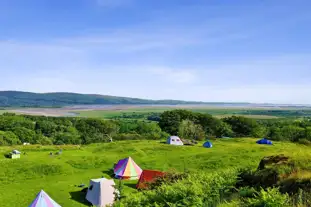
[
  {"x": 270, "y": 197},
  {"x": 127, "y": 137},
  {"x": 194, "y": 190},
  {"x": 169, "y": 178},
  {"x": 262, "y": 178},
  {"x": 8, "y": 138},
  {"x": 247, "y": 192},
  {"x": 304, "y": 142},
  {"x": 301, "y": 198},
  {"x": 43, "y": 140}
]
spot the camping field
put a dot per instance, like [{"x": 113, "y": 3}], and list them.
[{"x": 59, "y": 175}]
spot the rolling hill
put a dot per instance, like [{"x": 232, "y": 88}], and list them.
[{"x": 58, "y": 99}]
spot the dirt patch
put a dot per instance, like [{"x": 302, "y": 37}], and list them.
[
  {"x": 270, "y": 172},
  {"x": 272, "y": 160}
]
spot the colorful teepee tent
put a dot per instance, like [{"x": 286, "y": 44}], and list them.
[
  {"x": 127, "y": 169},
  {"x": 43, "y": 200}
]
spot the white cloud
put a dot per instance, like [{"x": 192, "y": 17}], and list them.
[
  {"x": 49, "y": 67},
  {"x": 151, "y": 56},
  {"x": 272, "y": 93},
  {"x": 175, "y": 75}
]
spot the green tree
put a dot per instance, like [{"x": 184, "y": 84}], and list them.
[
  {"x": 127, "y": 127},
  {"x": 66, "y": 138},
  {"x": 96, "y": 130},
  {"x": 223, "y": 130},
  {"x": 25, "y": 135},
  {"x": 259, "y": 131},
  {"x": 275, "y": 134},
  {"x": 8, "y": 123},
  {"x": 293, "y": 133},
  {"x": 169, "y": 122},
  {"x": 145, "y": 128},
  {"x": 308, "y": 133},
  {"x": 43, "y": 140},
  {"x": 47, "y": 128},
  {"x": 208, "y": 123},
  {"x": 70, "y": 136},
  {"x": 244, "y": 127},
  {"x": 8, "y": 138},
  {"x": 187, "y": 129}
]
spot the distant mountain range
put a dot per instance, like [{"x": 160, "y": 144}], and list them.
[{"x": 59, "y": 99}]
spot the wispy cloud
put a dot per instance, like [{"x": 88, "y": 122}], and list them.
[
  {"x": 175, "y": 75},
  {"x": 227, "y": 52}
]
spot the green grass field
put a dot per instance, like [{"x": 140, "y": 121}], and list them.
[
  {"x": 218, "y": 112},
  {"x": 21, "y": 179},
  {"x": 142, "y": 112},
  {"x": 112, "y": 113},
  {"x": 3, "y": 111}
]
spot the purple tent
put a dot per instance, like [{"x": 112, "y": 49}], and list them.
[{"x": 43, "y": 200}]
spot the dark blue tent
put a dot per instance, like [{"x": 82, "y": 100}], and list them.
[
  {"x": 264, "y": 141},
  {"x": 208, "y": 144}
]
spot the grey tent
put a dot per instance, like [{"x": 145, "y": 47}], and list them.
[
  {"x": 101, "y": 192},
  {"x": 16, "y": 152}
]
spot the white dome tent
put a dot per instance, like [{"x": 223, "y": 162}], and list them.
[{"x": 174, "y": 140}]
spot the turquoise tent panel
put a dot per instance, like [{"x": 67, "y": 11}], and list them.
[{"x": 208, "y": 145}]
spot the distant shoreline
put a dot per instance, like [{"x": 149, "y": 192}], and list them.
[{"x": 75, "y": 110}]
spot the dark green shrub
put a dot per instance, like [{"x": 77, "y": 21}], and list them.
[
  {"x": 247, "y": 192},
  {"x": 304, "y": 142},
  {"x": 193, "y": 190}
]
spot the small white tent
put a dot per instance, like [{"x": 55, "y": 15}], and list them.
[
  {"x": 174, "y": 140},
  {"x": 101, "y": 192}
]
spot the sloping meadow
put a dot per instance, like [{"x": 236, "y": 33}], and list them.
[{"x": 212, "y": 172}]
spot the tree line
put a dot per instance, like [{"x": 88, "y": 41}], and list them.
[
  {"x": 199, "y": 126},
  {"x": 18, "y": 129}
]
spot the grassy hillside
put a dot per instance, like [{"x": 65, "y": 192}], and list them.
[
  {"x": 27, "y": 99},
  {"x": 20, "y": 180}
]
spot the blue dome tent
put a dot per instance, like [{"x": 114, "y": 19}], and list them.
[
  {"x": 264, "y": 141},
  {"x": 208, "y": 144}
]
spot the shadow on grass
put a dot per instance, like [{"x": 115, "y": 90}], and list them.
[
  {"x": 79, "y": 197},
  {"x": 109, "y": 172},
  {"x": 130, "y": 185}
]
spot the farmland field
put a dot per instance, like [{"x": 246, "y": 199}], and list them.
[
  {"x": 143, "y": 111},
  {"x": 257, "y": 113},
  {"x": 114, "y": 113},
  {"x": 2, "y": 111},
  {"x": 21, "y": 179}
]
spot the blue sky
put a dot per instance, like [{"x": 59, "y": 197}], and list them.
[{"x": 204, "y": 50}]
